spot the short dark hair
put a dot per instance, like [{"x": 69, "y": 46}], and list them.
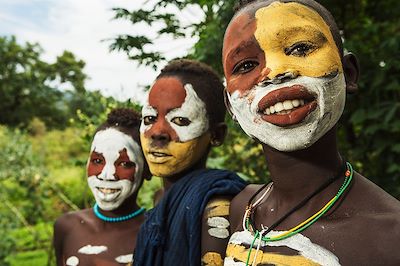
[
  {"x": 125, "y": 120},
  {"x": 205, "y": 82},
  {"x": 320, "y": 9}
]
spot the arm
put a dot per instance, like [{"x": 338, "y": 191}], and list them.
[
  {"x": 215, "y": 231},
  {"x": 59, "y": 229}
]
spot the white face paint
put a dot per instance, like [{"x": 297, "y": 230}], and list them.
[
  {"x": 92, "y": 250},
  {"x": 109, "y": 192},
  {"x": 193, "y": 108},
  {"x": 330, "y": 96}
]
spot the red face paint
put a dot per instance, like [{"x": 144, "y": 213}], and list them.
[
  {"x": 124, "y": 167},
  {"x": 242, "y": 52},
  {"x": 166, "y": 95}
]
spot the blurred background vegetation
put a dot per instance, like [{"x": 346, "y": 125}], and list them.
[{"x": 47, "y": 116}]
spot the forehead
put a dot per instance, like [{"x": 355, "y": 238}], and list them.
[
  {"x": 167, "y": 93},
  {"x": 272, "y": 17},
  {"x": 111, "y": 140}
]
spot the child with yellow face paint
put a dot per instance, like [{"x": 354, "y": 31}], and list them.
[
  {"x": 286, "y": 79},
  {"x": 181, "y": 120},
  {"x": 115, "y": 170}
]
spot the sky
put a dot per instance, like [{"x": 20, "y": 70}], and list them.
[{"x": 83, "y": 27}]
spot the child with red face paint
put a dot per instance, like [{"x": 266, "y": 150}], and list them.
[
  {"x": 182, "y": 119},
  {"x": 106, "y": 233},
  {"x": 287, "y": 79}
]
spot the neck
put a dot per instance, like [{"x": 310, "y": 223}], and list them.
[
  {"x": 298, "y": 173},
  {"x": 170, "y": 180},
  {"x": 127, "y": 207}
]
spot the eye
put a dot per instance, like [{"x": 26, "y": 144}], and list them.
[
  {"x": 147, "y": 120},
  {"x": 181, "y": 121},
  {"x": 127, "y": 164},
  {"x": 244, "y": 66},
  {"x": 300, "y": 49},
  {"x": 97, "y": 161}
]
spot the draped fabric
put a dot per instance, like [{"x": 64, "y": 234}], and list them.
[{"x": 171, "y": 234}]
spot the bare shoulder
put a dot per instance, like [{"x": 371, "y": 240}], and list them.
[
  {"x": 369, "y": 198},
  {"x": 239, "y": 203},
  {"x": 71, "y": 219}
]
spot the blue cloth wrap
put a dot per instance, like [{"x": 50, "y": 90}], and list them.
[{"x": 171, "y": 234}]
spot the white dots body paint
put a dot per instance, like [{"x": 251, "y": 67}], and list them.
[
  {"x": 193, "y": 108},
  {"x": 92, "y": 250},
  {"x": 72, "y": 261},
  {"x": 124, "y": 258},
  {"x": 219, "y": 222},
  {"x": 218, "y": 226},
  {"x": 297, "y": 242},
  {"x": 109, "y": 143},
  {"x": 330, "y": 96},
  {"x": 218, "y": 232}
]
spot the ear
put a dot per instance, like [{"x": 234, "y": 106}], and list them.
[
  {"x": 228, "y": 105},
  {"x": 351, "y": 70},
  {"x": 218, "y": 133}
]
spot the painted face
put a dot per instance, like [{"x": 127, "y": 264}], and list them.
[
  {"x": 174, "y": 129},
  {"x": 114, "y": 168},
  {"x": 284, "y": 74}
]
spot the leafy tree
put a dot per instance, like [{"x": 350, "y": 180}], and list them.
[
  {"x": 30, "y": 87},
  {"x": 370, "y": 128}
]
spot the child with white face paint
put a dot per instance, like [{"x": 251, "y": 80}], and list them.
[
  {"x": 287, "y": 78},
  {"x": 115, "y": 168},
  {"x": 181, "y": 120}
]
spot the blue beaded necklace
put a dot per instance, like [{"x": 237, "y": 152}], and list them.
[{"x": 116, "y": 219}]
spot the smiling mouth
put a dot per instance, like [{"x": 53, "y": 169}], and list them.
[
  {"x": 287, "y": 106},
  {"x": 107, "y": 191},
  {"x": 158, "y": 157}
]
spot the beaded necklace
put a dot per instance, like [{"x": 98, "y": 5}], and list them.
[
  {"x": 248, "y": 225},
  {"x": 116, "y": 219}
]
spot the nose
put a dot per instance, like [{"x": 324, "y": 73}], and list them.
[
  {"x": 279, "y": 77},
  {"x": 108, "y": 173},
  {"x": 161, "y": 133}
]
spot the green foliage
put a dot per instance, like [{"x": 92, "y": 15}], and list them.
[
  {"x": 369, "y": 129},
  {"x": 29, "y": 86}
]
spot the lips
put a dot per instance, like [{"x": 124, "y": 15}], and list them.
[
  {"x": 287, "y": 106},
  {"x": 158, "y": 156},
  {"x": 108, "y": 194}
]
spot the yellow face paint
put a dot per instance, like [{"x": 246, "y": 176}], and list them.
[
  {"x": 296, "y": 39},
  {"x": 179, "y": 156},
  {"x": 268, "y": 258},
  {"x": 212, "y": 259}
]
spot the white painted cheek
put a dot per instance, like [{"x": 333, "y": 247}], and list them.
[
  {"x": 195, "y": 110},
  {"x": 135, "y": 155}
]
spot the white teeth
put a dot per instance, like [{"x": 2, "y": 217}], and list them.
[
  {"x": 272, "y": 109},
  {"x": 108, "y": 190},
  {"x": 287, "y": 105},
  {"x": 283, "y": 107},
  {"x": 278, "y": 107}
]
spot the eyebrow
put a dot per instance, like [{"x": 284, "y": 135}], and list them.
[
  {"x": 294, "y": 31},
  {"x": 241, "y": 46}
]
